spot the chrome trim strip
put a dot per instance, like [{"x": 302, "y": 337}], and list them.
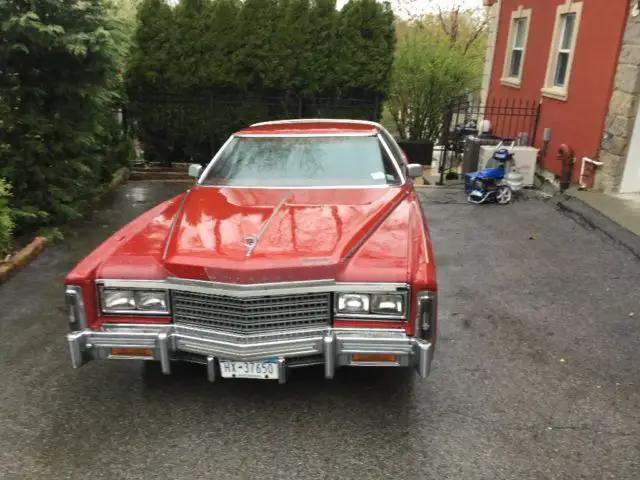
[
  {"x": 242, "y": 352},
  {"x": 318, "y": 120},
  {"x": 310, "y": 187},
  {"x": 266, "y": 224},
  {"x": 353, "y": 363},
  {"x": 211, "y": 368},
  {"x": 76, "y": 344},
  {"x": 126, "y": 339},
  {"x": 163, "y": 347},
  {"x": 282, "y": 370},
  {"x": 424, "y": 356},
  {"x": 254, "y": 289},
  {"x": 248, "y": 339},
  {"x": 329, "y": 355},
  {"x": 371, "y": 317},
  {"x": 371, "y": 133},
  {"x": 395, "y": 160},
  {"x": 206, "y": 169},
  {"x": 135, "y": 327}
]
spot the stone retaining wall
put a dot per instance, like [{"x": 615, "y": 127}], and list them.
[
  {"x": 493, "y": 17},
  {"x": 623, "y": 107}
]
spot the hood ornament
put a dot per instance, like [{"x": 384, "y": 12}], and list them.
[{"x": 250, "y": 242}]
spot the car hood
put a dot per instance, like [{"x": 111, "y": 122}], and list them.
[{"x": 257, "y": 235}]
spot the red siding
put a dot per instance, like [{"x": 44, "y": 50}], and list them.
[{"x": 578, "y": 121}]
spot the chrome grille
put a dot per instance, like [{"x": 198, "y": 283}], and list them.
[{"x": 252, "y": 314}]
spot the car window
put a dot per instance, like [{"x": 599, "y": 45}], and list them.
[{"x": 303, "y": 161}]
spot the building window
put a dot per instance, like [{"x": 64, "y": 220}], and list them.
[
  {"x": 516, "y": 46},
  {"x": 563, "y": 47},
  {"x": 568, "y": 21}
]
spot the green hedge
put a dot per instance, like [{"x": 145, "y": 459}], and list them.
[
  {"x": 59, "y": 88},
  {"x": 204, "y": 68},
  {"x": 6, "y": 221}
]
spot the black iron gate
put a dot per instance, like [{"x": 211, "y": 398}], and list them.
[
  {"x": 510, "y": 119},
  {"x": 177, "y": 126}
]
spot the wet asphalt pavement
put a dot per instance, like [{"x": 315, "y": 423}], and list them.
[{"x": 537, "y": 373}]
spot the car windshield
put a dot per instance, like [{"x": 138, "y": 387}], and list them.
[{"x": 330, "y": 161}]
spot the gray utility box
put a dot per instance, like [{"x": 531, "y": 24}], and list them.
[{"x": 471, "y": 153}]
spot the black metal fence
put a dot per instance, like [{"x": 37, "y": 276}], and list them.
[
  {"x": 515, "y": 119},
  {"x": 177, "y": 127}
]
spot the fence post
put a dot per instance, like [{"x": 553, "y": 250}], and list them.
[
  {"x": 444, "y": 141},
  {"x": 376, "y": 105},
  {"x": 123, "y": 121},
  {"x": 212, "y": 134},
  {"x": 535, "y": 123}
]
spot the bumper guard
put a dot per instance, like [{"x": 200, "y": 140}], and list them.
[{"x": 330, "y": 346}]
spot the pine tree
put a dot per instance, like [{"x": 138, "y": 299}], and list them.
[
  {"x": 153, "y": 47},
  {"x": 324, "y": 48},
  {"x": 221, "y": 41},
  {"x": 366, "y": 41},
  {"x": 256, "y": 25},
  {"x": 298, "y": 45}
]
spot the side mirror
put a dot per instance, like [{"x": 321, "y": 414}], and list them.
[
  {"x": 195, "y": 170},
  {"x": 414, "y": 170}
]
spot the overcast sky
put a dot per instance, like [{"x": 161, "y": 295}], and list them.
[
  {"x": 422, "y": 6},
  {"x": 415, "y": 7}
]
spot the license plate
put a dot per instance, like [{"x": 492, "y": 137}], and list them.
[{"x": 266, "y": 369}]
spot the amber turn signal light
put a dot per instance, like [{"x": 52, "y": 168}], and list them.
[
  {"x": 373, "y": 357},
  {"x": 132, "y": 352}
]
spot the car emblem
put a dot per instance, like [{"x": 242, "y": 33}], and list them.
[{"x": 250, "y": 242}]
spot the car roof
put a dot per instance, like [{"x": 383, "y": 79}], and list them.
[{"x": 312, "y": 126}]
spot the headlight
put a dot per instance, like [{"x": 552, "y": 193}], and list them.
[
  {"x": 353, "y": 303},
  {"x": 152, "y": 301},
  {"x": 387, "y": 304},
  {"x": 373, "y": 305},
  {"x": 134, "y": 301}
]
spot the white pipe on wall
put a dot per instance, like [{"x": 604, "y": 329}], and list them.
[{"x": 586, "y": 160}]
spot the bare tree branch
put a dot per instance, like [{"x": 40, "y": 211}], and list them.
[
  {"x": 455, "y": 24},
  {"x": 443, "y": 24},
  {"x": 474, "y": 36}
]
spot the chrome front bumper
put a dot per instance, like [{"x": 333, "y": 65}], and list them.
[{"x": 332, "y": 347}]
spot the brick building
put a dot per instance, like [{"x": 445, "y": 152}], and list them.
[{"x": 581, "y": 60}]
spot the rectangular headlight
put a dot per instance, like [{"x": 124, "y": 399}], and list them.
[
  {"x": 374, "y": 305},
  {"x": 134, "y": 301},
  {"x": 354, "y": 303},
  {"x": 118, "y": 300},
  {"x": 152, "y": 300},
  {"x": 387, "y": 304}
]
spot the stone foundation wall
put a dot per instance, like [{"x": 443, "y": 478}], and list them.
[
  {"x": 493, "y": 17},
  {"x": 623, "y": 107}
]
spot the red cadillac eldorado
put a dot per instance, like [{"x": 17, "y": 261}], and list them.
[{"x": 301, "y": 243}]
